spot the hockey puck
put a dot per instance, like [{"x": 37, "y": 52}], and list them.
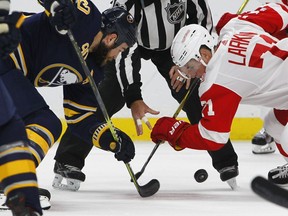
[{"x": 201, "y": 175}]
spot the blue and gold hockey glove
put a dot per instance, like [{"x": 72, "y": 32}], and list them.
[
  {"x": 124, "y": 149},
  {"x": 10, "y": 35},
  {"x": 62, "y": 14}
]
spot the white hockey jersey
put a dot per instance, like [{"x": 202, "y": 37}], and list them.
[{"x": 250, "y": 66}]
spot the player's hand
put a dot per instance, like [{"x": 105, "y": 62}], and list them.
[
  {"x": 177, "y": 80},
  {"x": 138, "y": 109},
  {"x": 123, "y": 148},
  {"x": 127, "y": 149},
  {"x": 168, "y": 129},
  {"x": 62, "y": 14},
  {"x": 10, "y": 35}
]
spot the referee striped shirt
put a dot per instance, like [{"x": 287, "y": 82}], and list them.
[
  {"x": 158, "y": 23},
  {"x": 160, "y": 20}
]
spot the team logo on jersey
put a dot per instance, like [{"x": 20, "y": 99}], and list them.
[
  {"x": 57, "y": 75},
  {"x": 175, "y": 12}
]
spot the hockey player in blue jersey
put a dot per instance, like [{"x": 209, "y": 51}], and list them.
[
  {"x": 45, "y": 57},
  {"x": 17, "y": 170}
]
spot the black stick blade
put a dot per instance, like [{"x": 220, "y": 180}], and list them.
[
  {"x": 149, "y": 189},
  {"x": 270, "y": 191}
]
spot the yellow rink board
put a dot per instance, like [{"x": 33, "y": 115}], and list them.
[{"x": 242, "y": 128}]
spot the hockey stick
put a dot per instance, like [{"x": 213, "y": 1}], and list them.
[
  {"x": 189, "y": 91},
  {"x": 242, "y": 6},
  {"x": 269, "y": 191},
  {"x": 191, "y": 88},
  {"x": 151, "y": 187}
]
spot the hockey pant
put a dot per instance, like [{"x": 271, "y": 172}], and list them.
[
  {"x": 275, "y": 123},
  {"x": 72, "y": 149}
]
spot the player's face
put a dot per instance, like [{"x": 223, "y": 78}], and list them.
[
  {"x": 103, "y": 50},
  {"x": 104, "y": 53},
  {"x": 193, "y": 68},
  {"x": 113, "y": 53}
]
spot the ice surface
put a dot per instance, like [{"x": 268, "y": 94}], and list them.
[{"x": 108, "y": 191}]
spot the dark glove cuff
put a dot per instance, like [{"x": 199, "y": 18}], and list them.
[{"x": 133, "y": 93}]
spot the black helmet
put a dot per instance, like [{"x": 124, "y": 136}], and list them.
[{"x": 119, "y": 21}]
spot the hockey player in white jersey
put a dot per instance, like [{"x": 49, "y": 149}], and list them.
[
  {"x": 247, "y": 65},
  {"x": 262, "y": 142}
]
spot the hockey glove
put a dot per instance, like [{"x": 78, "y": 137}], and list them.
[
  {"x": 10, "y": 35},
  {"x": 124, "y": 149},
  {"x": 62, "y": 14},
  {"x": 168, "y": 129}
]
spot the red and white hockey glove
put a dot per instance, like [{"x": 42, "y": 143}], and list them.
[{"x": 168, "y": 129}]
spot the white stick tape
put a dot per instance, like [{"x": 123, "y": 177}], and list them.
[{"x": 4, "y": 28}]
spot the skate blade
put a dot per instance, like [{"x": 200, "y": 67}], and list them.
[
  {"x": 44, "y": 202},
  {"x": 2, "y": 202},
  {"x": 232, "y": 183},
  {"x": 71, "y": 184},
  {"x": 265, "y": 149}
]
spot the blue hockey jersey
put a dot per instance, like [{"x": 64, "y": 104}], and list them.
[{"x": 47, "y": 58}]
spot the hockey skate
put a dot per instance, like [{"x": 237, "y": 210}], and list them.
[
  {"x": 279, "y": 175},
  {"x": 262, "y": 143},
  {"x": 229, "y": 174},
  {"x": 16, "y": 204},
  {"x": 71, "y": 174},
  {"x": 44, "y": 197}
]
